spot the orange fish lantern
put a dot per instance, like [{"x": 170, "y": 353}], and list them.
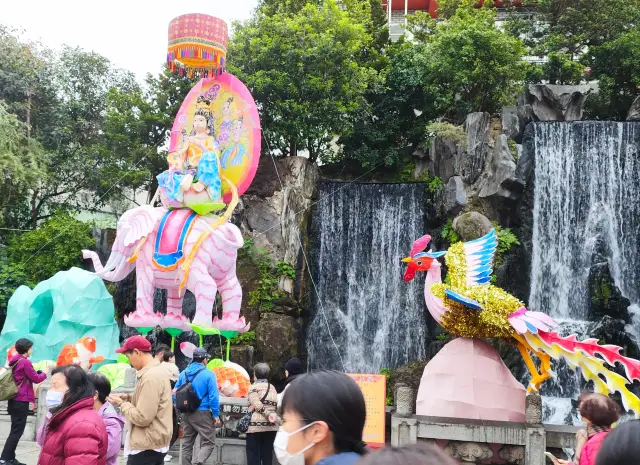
[
  {"x": 231, "y": 382},
  {"x": 80, "y": 353},
  {"x": 11, "y": 352},
  {"x": 197, "y": 45}
]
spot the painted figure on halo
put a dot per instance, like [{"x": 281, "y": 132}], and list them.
[
  {"x": 195, "y": 165},
  {"x": 227, "y": 121},
  {"x": 234, "y": 154}
]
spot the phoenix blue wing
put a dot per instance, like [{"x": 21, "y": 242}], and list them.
[
  {"x": 467, "y": 302},
  {"x": 479, "y": 255}
]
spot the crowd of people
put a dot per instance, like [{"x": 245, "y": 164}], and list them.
[{"x": 317, "y": 419}]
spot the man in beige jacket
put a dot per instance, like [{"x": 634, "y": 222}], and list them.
[{"x": 149, "y": 411}]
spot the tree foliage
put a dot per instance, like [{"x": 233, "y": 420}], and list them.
[
  {"x": 473, "y": 66},
  {"x": 566, "y": 30},
  {"x": 11, "y": 279},
  {"x": 303, "y": 72},
  {"x": 55, "y": 246},
  {"x": 398, "y": 110},
  {"x": 616, "y": 65},
  {"x": 21, "y": 159}
]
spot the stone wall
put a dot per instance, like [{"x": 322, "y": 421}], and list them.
[{"x": 484, "y": 442}]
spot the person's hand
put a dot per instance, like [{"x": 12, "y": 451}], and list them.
[
  {"x": 562, "y": 462},
  {"x": 117, "y": 401},
  {"x": 218, "y": 422}
]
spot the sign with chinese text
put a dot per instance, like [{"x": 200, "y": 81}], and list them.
[
  {"x": 374, "y": 390},
  {"x": 234, "y": 409}
]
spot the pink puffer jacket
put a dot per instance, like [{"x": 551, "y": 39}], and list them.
[
  {"x": 591, "y": 448},
  {"x": 75, "y": 436}
]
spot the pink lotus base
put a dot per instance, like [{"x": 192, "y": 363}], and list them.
[
  {"x": 143, "y": 319},
  {"x": 230, "y": 323},
  {"x": 177, "y": 321},
  {"x": 468, "y": 379}
]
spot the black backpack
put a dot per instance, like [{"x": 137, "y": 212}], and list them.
[{"x": 187, "y": 401}]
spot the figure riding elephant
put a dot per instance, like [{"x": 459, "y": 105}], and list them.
[{"x": 158, "y": 242}]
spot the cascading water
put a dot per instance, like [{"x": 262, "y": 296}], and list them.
[
  {"x": 362, "y": 231},
  {"x": 587, "y": 193}
]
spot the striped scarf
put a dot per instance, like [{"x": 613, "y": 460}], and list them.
[{"x": 592, "y": 430}]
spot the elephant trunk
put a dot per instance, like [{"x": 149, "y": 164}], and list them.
[{"x": 116, "y": 269}]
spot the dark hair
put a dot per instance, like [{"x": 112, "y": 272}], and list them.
[
  {"x": 293, "y": 367},
  {"x": 334, "y": 398},
  {"x": 101, "y": 385},
  {"x": 600, "y": 410},
  {"x": 414, "y": 454},
  {"x": 161, "y": 349},
  {"x": 262, "y": 370},
  {"x": 23, "y": 345},
  {"x": 621, "y": 446},
  {"x": 167, "y": 355},
  {"x": 78, "y": 383}
]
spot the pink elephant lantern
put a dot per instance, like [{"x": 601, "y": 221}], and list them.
[
  {"x": 214, "y": 151},
  {"x": 156, "y": 242}
]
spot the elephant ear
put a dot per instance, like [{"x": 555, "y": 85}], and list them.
[{"x": 139, "y": 222}]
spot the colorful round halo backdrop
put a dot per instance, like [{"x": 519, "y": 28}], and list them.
[{"x": 236, "y": 127}]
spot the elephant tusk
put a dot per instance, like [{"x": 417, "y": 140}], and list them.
[{"x": 134, "y": 257}]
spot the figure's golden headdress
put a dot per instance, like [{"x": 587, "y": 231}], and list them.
[{"x": 203, "y": 107}]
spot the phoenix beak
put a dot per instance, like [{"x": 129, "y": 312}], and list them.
[{"x": 407, "y": 260}]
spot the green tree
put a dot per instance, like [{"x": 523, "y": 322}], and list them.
[
  {"x": 73, "y": 133},
  {"x": 304, "y": 74},
  {"x": 20, "y": 72},
  {"x": 565, "y": 30},
  {"x": 10, "y": 280},
  {"x": 20, "y": 160},
  {"x": 399, "y": 109},
  {"x": 84, "y": 115},
  {"x": 616, "y": 65},
  {"x": 54, "y": 246},
  {"x": 473, "y": 65},
  {"x": 561, "y": 68}
]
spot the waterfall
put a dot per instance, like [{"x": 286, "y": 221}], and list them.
[
  {"x": 361, "y": 232},
  {"x": 587, "y": 193}
]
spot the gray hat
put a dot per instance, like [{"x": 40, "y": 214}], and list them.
[{"x": 199, "y": 354}]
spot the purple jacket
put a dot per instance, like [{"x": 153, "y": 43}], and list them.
[
  {"x": 112, "y": 422},
  {"x": 24, "y": 376}
]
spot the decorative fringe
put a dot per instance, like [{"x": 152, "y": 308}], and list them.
[
  {"x": 186, "y": 266},
  {"x": 211, "y": 60}
]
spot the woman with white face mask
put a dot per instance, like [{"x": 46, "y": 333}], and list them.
[
  {"x": 74, "y": 432},
  {"x": 323, "y": 416}
]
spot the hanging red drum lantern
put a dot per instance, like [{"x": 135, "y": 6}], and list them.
[{"x": 197, "y": 45}]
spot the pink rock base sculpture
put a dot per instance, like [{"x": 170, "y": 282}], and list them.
[{"x": 468, "y": 379}]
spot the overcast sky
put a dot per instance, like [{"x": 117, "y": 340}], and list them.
[{"x": 131, "y": 33}]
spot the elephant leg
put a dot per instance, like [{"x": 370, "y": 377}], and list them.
[
  {"x": 231, "y": 295},
  {"x": 204, "y": 288},
  {"x": 144, "y": 289},
  {"x": 174, "y": 301}
]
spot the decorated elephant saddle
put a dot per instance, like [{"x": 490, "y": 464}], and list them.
[{"x": 175, "y": 226}]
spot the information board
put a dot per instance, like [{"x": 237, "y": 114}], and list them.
[{"x": 374, "y": 390}]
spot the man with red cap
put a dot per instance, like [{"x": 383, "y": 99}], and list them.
[{"x": 149, "y": 410}]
